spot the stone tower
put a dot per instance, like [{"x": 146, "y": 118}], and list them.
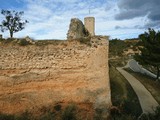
[{"x": 89, "y": 23}]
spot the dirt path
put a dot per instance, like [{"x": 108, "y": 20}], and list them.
[{"x": 147, "y": 102}]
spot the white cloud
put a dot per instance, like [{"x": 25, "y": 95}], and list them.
[{"x": 49, "y": 19}]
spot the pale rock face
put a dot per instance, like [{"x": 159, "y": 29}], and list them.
[
  {"x": 35, "y": 76},
  {"x": 76, "y": 29}
]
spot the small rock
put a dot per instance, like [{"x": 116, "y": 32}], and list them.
[{"x": 28, "y": 39}]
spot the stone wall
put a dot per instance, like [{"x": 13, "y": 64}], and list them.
[{"x": 35, "y": 76}]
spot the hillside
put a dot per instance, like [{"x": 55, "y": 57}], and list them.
[{"x": 121, "y": 50}]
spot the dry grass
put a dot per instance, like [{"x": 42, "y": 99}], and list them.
[
  {"x": 53, "y": 42},
  {"x": 122, "y": 94},
  {"x": 59, "y": 111}
]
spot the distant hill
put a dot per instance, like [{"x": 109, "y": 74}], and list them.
[
  {"x": 123, "y": 47},
  {"x": 122, "y": 50}
]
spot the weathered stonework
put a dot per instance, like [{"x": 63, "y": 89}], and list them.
[
  {"x": 89, "y": 23},
  {"x": 35, "y": 76},
  {"x": 76, "y": 30}
]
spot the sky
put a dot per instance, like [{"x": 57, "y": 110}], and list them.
[{"x": 50, "y": 19}]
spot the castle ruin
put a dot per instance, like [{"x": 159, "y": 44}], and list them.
[
  {"x": 79, "y": 30},
  {"x": 60, "y": 72},
  {"x": 89, "y": 23}
]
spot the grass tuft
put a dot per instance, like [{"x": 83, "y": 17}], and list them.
[{"x": 69, "y": 113}]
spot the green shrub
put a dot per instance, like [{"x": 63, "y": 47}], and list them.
[
  {"x": 24, "y": 116},
  {"x": 57, "y": 107},
  {"x": 85, "y": 40},
  {"x": 8, "y": 40},
  {"x": 123, "y": 117},
  {"x": 6, "y": 117},
  {"x": 23, "y": 42},
  {"x": 151, "y": 116},
  {"x": 98, "y": 114},
  {"x": 69, "y": 113},
  {"x": 48, "y": 116},
  {"x": 116, "y": 47},
  {"x": 130, "y": 107},
  {"x": 1, "y": 39}
]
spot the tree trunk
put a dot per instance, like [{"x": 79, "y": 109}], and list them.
[
  {"x": 158, "y": 73},
  {"x": 11, "y": 34}
]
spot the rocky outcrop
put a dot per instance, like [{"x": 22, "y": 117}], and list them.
[{"x": 76, "y": 29}]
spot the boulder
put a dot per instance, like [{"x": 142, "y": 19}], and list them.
[
  {"x": 28, "y": 39},
  {"x": 77, "y": 29}
]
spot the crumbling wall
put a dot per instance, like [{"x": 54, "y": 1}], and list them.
[
  {"x": 77, "y": 30},
  {"x": 35, "y": 76}
]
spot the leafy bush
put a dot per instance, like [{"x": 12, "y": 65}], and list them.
[
  {"x": 69, "y": 113},
  {"x": 6, "y": 117},
  {"x": 57, "y": 107},
  {"x": 123, "y": 117},
  {"x": 116, "y": 47},
  {"x": 8, "y": 40},
  {"x": 98, "y": 114},
  {"x": 48, "y": 116},
  {"x": 24, "y": 116},
  {"x": 130, "y": 108},
  {"x": 151, "y": 116},
  {"x": 85, "y": 40},
  {"x": 1, "y": 39},
  {"x": 50, "y": 42},
  {"x": 24, "y": 42}
]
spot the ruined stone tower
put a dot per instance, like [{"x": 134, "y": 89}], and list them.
[{"x": 89, "y": 23}]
